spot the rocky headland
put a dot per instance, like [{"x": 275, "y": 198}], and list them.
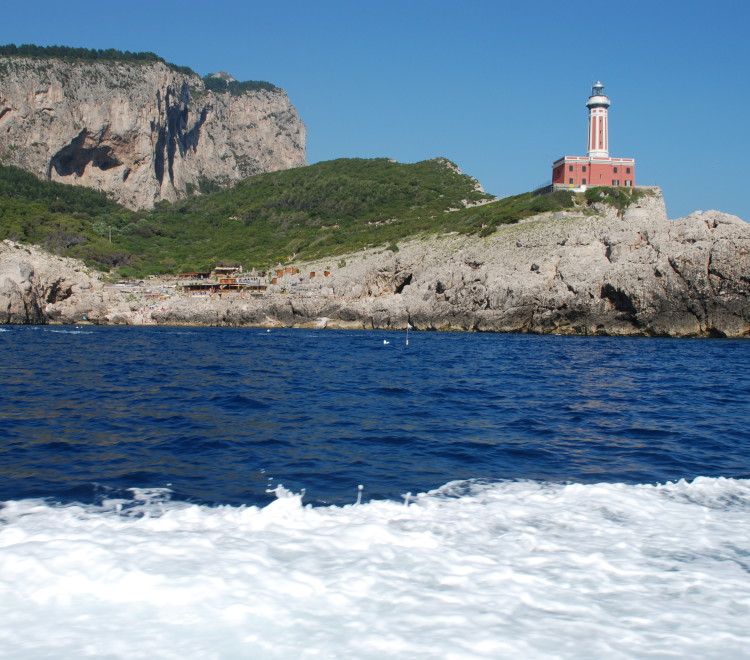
[
  {"x": 140, "y": 131},
  {"x": 609, "y": 273}
]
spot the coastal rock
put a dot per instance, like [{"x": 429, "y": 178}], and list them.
[
  {"x": 38, "y": 288},
  {"x": 141, "y": 132},
  {"x": 632, "y": 273}
]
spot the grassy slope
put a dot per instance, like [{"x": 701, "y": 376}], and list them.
[
  {"x": 327, "y": 209},
  {"x": 323, "y": 209}
]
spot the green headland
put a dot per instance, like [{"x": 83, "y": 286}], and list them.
[{"x": 326, "y": 209}]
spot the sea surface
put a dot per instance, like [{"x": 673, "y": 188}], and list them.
[{"x": 243, "y": 493}]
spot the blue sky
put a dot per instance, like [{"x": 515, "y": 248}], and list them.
[{"x": 497, "y": 87}]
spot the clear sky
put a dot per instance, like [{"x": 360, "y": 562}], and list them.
[{"x": 497, "y": 87}]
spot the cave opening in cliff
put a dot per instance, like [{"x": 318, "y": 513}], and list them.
[
  {"x": 620, "y": 300},
  {"x": 405, "y": 282},
  {"x": 74, "y": 158}
]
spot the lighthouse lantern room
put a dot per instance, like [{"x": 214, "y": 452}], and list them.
[{"x": 597, "y": 168}]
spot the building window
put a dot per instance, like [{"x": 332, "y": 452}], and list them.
[
  {"x": 615, "y": 182},
  {"x": 570, "y": 181},
  {"x": 627, "y": 170},
  {"x": 584, "y": 182},
  {"x": 628, "y": 182},
  {"x": 570, "y": 168},
  {"x": 615, "y": 170},
  {"x": 584, "y": 168}
]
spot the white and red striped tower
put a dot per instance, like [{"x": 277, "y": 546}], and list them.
[
  {"x": 598, "y": 105},
  {"x": 598, "y": 168}
]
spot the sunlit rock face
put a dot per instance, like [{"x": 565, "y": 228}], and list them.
[
  {"x": 38, "y": 288},
  {"x": 141, "y": 132},
  {"x": 609, "y": 273}
]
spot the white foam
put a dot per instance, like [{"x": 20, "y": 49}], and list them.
[
  {"x": 512, "y": 569},
  {"x": 66, "y": 331}
]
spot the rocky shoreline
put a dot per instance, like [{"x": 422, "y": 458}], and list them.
[{"x": 626, "y": 274}]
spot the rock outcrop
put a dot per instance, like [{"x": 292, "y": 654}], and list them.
[
  {"x": 39, "y": 288},
  {"x": 636, "y": 273},
  {"x": 631, "y": 273},
  {"x": 141, "y": 132}
]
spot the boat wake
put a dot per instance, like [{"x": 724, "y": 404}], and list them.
[{"x": 470, "y": 570}]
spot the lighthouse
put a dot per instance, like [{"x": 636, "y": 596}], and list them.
[
  {"x": 597, "y": 168},
  {"x": 598, "y": 105}
]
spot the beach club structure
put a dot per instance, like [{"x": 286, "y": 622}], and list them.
[
  {"x": 228, "y": 279},
  {"x": 224, "y": 279}
]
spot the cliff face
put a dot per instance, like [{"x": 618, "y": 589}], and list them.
[{"x": 141, "y": 132}]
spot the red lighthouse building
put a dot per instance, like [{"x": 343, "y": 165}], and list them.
[{"x": 598, "y": 168}]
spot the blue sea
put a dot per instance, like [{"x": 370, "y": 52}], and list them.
[{"x": 244, "y": 493}]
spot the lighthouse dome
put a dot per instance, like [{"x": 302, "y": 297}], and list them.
[{"x": 598, "y": 98}]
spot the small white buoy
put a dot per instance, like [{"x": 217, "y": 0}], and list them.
[{"x": 385, "y": 341}]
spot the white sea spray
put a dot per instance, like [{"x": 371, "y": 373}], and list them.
[{"x": 510, "y": 569}]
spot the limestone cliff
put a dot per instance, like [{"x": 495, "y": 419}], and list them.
[
  {"x": 636, "y": 273},
  {"x": 141, "y": 132}
]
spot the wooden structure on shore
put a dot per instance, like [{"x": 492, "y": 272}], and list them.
[{"x": 225, "y": 279}]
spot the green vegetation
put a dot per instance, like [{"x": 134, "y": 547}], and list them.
[
  {"x": 21, "y": 185},
  {"x": 87, "y": 54},
  {"x": 327, "y": 209},
  {"x": 619, "y": 198},
  {"x": 108, "y": 55},
  {"x": 323, "y": 210},
  {"x": 235, "y": 87},
  {"x": 512, "y": 209},
  {"x": 66, "y": 220}
]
